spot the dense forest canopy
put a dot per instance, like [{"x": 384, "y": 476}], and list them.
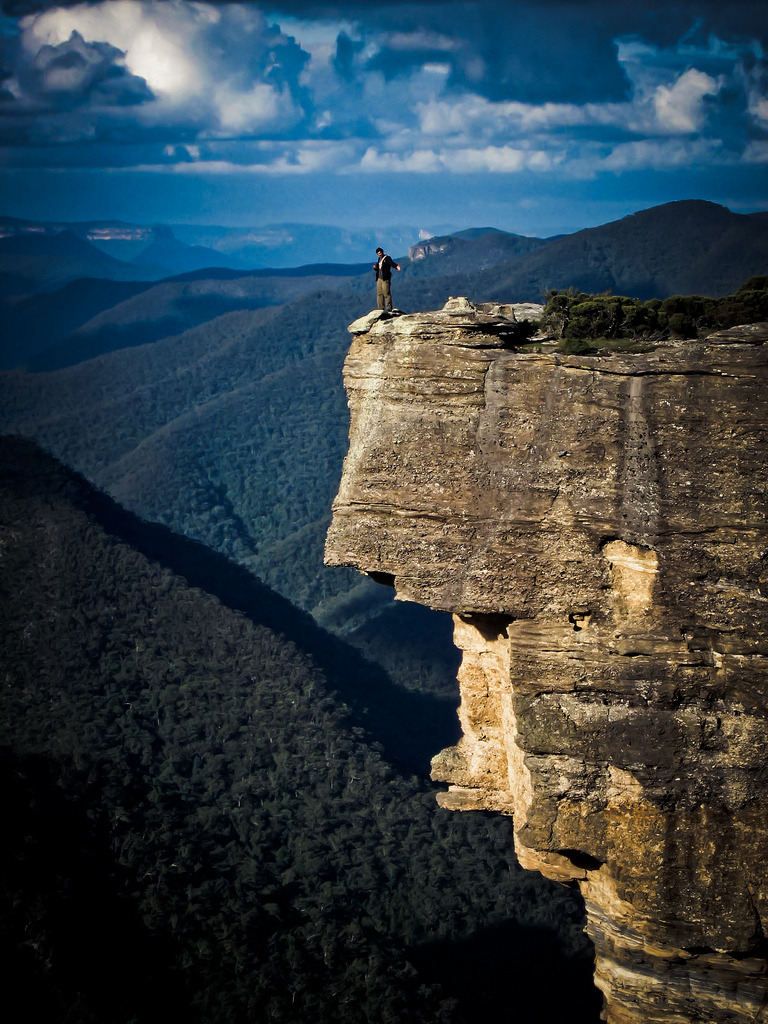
[{"x": 197, "y": 827}]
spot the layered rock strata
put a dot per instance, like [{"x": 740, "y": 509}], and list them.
[{"x": 598, "y": 526}]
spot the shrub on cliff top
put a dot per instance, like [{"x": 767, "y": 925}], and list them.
[{"x": 581, "y": 319}]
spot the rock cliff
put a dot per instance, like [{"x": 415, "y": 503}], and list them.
[{"x": 598, "y": 526}]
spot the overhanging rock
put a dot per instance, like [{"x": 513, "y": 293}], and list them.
[{"x": 598, "y": 526}]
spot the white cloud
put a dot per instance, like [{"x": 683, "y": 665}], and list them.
[
  {"x": 659, "y": 154},
  {"x": 266, "y": 158},
  {"x": 218, "y": 69},
  {"x": 261, "y": 107},
  {"x": 758, "y": 108},
  {"x": 475, "y": 115},
  {"x": 756, "y": 152},
  {"x": 497, "y": 160},
  {"x": 422, "y": 40},
  {"x": 155, "y": 37},
  {"x": 182, "y": 152},
  {"x": 680, "y": 107},
  {"x": 422, "y": 161},
  {"x": 465, "y": 160}
]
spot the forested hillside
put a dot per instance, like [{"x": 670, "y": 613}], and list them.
[
  {"x": 195, "y": 825},
  {"x": 33, "y": 323},
  {"x": 682, "y": 248},
  {"x": 231, "y": 427},
  {"x": 233, "y": 433},
  {"x": 81, "y": 325}
]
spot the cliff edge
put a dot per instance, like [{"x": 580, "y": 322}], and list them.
[{"x": 598, "y": 526}]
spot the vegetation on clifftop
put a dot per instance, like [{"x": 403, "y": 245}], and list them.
[{"x": 585, "y": 322}]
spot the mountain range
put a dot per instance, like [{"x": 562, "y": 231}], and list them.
[
  {"x": 691, "y": 247},
  {"x": 212, "y": 401},
  {"x": 647, "y": 254},
  {"x": 211, "y": 791},
  {"x": 50, "y": 254},
  {"x": 45, "y": 261}
]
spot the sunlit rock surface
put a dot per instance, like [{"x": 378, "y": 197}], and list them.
[{"x": 598, "y": 527}]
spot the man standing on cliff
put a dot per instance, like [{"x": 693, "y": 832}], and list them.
[{"x": 383, "y": 271}]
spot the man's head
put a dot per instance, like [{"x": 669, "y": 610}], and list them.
[{"x": 379, "y": 251}]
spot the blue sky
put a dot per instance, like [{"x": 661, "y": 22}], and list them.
[{"x": 536, "y": 117}]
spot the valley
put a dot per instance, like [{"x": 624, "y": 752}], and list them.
[{"x": 186, "y": 680}]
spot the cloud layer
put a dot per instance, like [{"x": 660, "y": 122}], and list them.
[{"x": 552, "y": 89}]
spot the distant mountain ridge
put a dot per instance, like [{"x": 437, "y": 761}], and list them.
[
  {"x": 32, "y": 262},
  {"x": 687, "y": 247},
  {"x": 40, "y": 257},
  {"x": 476, "y": 248},
  {"x": 164, "y": 250},
  {"x": 152, "y": 311},
  {"x": 171, "y": 256},
  {"x": 60, "y": 304}
]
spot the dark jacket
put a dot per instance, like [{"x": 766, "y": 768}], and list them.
[{"x": 383, "y": 269}]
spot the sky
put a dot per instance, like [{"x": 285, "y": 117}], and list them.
[{"x": 534, "y": 116}]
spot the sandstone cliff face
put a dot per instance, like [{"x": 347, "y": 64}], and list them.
[
  {"x": 598, "y": 526},
  {"x": 421, "y": 250}
]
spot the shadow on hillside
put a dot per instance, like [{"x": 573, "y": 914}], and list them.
[
  {"x": 411, "y": 727},
  {"x": 71, "y": 935},
  {"x": 82, "y": 344},
  {"x": 509, "y": 972},
  {"x": 76, "y": 947},
  {"x": 58, "y": 861}
]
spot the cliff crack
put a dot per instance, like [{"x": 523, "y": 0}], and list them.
[{"x": 639, "y": 479}]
